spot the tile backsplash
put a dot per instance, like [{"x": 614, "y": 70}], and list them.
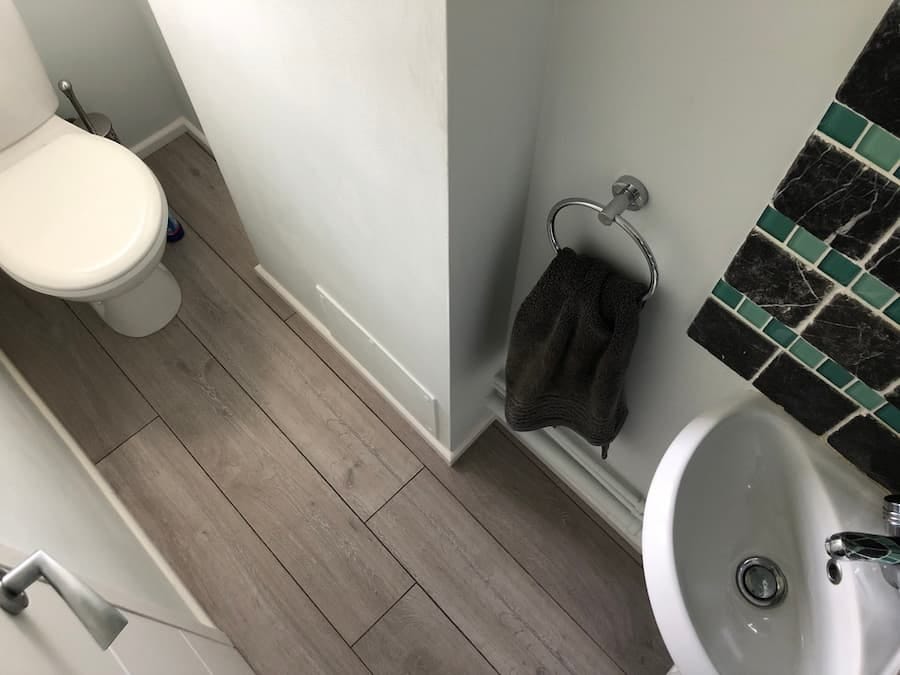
[{"x": 808, "y": 309}]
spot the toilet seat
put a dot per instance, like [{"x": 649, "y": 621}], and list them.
[{"x": 78, "y": 215}]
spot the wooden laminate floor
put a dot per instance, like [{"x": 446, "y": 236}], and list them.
[{"x": 314, "y": 525}]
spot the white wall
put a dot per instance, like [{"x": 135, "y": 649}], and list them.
[
  {"x": 495, "y": 55},
  {"x": 329, "y": 121},
  {"x": 108, "y": 49},
  {"x": 707, "y": 102}
]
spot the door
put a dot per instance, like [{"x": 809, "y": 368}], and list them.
[
  {"x": 53, "y": 499},
  {"x": 47, "y": 638}
]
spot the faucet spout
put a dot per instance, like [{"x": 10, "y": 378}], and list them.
[{"x": 861, "y": 546}]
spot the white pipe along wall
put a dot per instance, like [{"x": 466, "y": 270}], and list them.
[
  {"x": 330, "y": 125},
  {"x": 706, "y": 102}
]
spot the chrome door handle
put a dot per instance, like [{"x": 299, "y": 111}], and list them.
[{"x": 103, "y": 621}]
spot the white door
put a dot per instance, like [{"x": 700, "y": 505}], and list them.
[
  {"x": 47, "y": 638},
  {"x": 53, "y": 499}
]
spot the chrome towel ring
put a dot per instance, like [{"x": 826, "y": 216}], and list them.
[{"x": 628, "y": 193}]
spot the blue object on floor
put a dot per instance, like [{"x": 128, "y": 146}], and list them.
[{"x": 174, "y": 230}]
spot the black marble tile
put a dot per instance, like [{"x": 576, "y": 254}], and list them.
[
  {"x": 837, "y": 198},
  {"x": 775, "y": 280},
  {"x": 872, "y": 448},
  {"x": 730, "y": 340},
  {"x": 864, "y": 343},
  {"x": 885, "y": 264},
  {"x": 872, "y": 87},
  {"x": 811, "y": 401},
  {"x": 894, "y": 396}
]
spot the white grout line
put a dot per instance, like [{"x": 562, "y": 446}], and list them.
[
  {"x": 859, "y": 263},
  {"x": 854, "y": 154},
  {"x": 779, "y": 350},
  {"x": 865, "y": 130}
]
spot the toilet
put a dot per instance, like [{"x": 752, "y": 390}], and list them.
[{"x": 83, "y": 219}]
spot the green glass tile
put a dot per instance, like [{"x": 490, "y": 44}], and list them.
[
  {"x": 890, "y": 415},
  {"x": 893, "y": 310},
  {"x": 865, "y": 395},
  {"x": 774, "y": 223},
  {"x": 807, "y": 353},
  {"x": 753, "y": 313},
  {"x": 880, "y": 147},
  {"x": 807, "y": 245},
  {"x": 779, "y": 332},
  {"x": 727, "y": 293},
  {"x": 838, "y": 267},
  {"x": 834, "y": 373},
  {"x": 873, "y": 291},
  {"x": 842, "y": 124}
]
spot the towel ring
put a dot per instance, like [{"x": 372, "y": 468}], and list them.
[{"x": 628, "y": 193}]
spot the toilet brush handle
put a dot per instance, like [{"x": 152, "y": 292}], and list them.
[{"x": 66, "y": 88}]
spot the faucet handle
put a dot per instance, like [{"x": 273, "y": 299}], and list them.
[{"x": 862, "y": 546}]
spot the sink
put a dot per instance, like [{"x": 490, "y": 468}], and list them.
[{"x": 745, "y": 482}]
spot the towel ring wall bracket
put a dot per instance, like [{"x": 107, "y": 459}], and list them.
[{"x": 629, "y": 194}]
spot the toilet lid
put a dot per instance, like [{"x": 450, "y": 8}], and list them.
[{"x": 77, "y": 213}]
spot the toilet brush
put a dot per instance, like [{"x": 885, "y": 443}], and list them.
[
  {"x": 66, "y": 88},
  {"x": 96, "y": 123}
]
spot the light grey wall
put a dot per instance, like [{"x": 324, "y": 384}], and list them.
[
  {"x": 707, "y": 102},
  {"x": 329, "y": 121},
  {"x": 108, "y": 49},
  {"x": 495, "y": 63}
]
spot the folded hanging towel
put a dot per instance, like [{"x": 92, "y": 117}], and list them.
[{"x": 570, "y": 346}]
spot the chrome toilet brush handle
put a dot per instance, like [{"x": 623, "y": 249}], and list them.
[{"x": 66, "y": 88}]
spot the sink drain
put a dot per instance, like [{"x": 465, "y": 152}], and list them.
[{"x": 761, "y": 582}]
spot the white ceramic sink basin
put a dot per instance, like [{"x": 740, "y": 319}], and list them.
[{"x": 749, "y": 481}]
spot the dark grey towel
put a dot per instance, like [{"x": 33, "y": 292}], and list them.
[{"x": 570, "y": 346}]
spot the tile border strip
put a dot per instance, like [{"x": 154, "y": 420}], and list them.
[
  {"x": 868, "y": 400},
  {"x": 842, "y": 270},
  {"x": 837, "y": 109}
]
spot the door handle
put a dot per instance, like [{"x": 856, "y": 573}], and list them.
[{"x": 103, "y": 621}]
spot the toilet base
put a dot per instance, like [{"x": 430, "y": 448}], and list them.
[{"x": 144, "y": 309}]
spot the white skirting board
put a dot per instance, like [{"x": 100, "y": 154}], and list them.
[
  {"x": 448, "y": 455},
  {"x": 578, "y": 465},
  {"x": 174, "y": 129}
]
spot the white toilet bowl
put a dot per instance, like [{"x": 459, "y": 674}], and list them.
[
  {"x": 81, "y": 217},
  {"x": 84, "y": 219}
]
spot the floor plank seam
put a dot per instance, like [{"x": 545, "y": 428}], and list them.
[
  {"x": 384, "y": 613},
  {"x": 454, "y": 624},
  {"x": 253, "y": 529},
  {"x": 155, "y": 417},
  {"x": 522, "y": 567},
  {"x": 398, "y": 491},
  {"x": 282, "y": 431},
  {"x": 194, "y": 232},
  {"x": 472, "y": 515}
]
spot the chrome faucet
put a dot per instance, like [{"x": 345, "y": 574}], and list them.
[{"x": 874, "y": 548}]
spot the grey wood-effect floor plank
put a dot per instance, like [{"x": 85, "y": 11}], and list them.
[
  {"x": 592, "y": 577},
  {"x": 340, "y": 564},
  {"x": 577, "y": 562},
  {"x": 415, "y": 638},
  {"x": 353, "y": 449},
  {"x": 233, "y": 575},
  {"x": 624, "y": 544},
  {"x": 69, "y": 370},
  {"x": 197, "y": 192},
  {"x": 512, "y": 621}
]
